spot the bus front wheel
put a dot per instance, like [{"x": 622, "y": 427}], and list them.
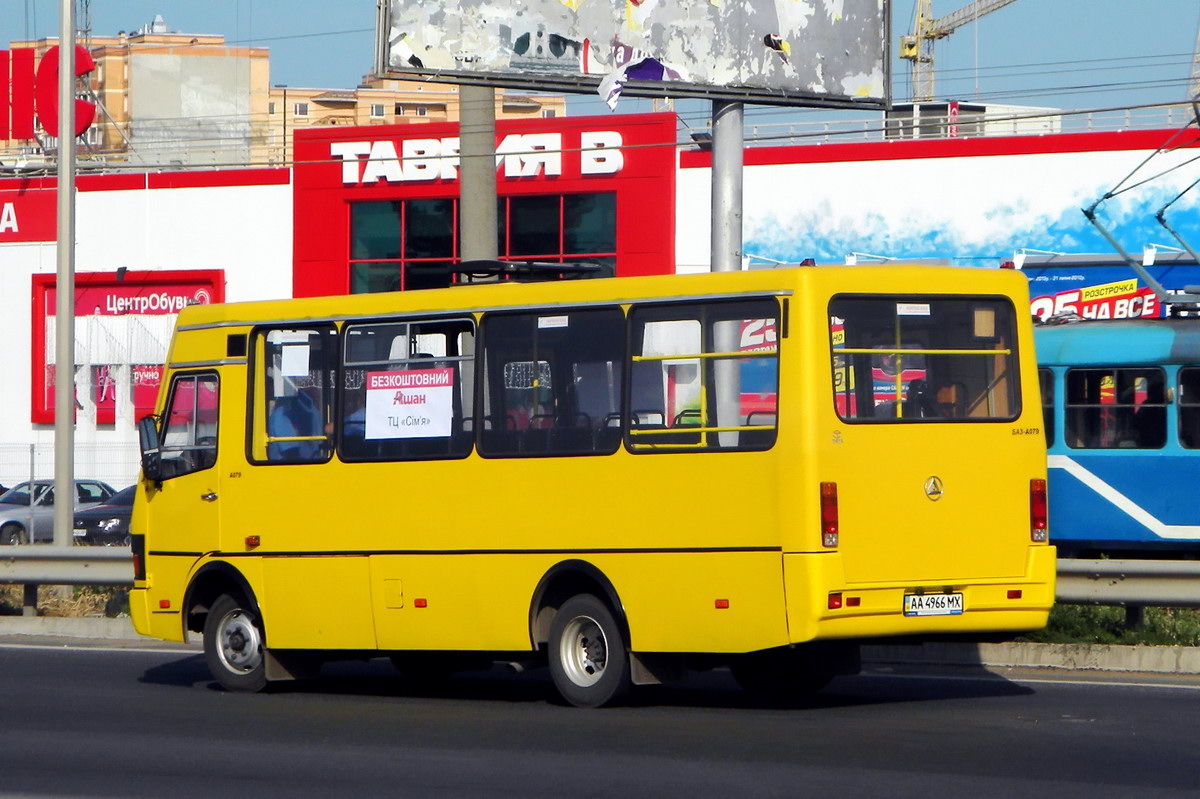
[
  {"x": 588, "y": 658},
  {"x": 233, "y": 645}
]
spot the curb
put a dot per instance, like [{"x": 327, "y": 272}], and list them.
[
  {"x": 96, "y": 628},
  {"x": 1078, "y": 657}
]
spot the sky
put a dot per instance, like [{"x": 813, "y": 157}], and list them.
[{"x": 1075, "y": 54}]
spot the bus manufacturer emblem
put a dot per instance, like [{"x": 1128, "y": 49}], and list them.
[{"x": 933, "y": 488}]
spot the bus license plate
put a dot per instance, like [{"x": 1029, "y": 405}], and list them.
[{"x": 933, "y": 604}]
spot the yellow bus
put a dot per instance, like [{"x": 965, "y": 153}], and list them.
[{"x": 620, "y": 478}]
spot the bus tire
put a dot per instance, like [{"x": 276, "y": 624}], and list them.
[
  {"x": 588, "y": 657},
  {"x": 234, "y": 645},
  {"x": 12, "y": 534}
]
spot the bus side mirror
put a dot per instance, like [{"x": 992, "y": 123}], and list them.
[{"x": 148, "y": 439}]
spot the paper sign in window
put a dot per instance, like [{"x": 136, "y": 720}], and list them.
[
  {"x": 411, "y": 403},
  {"x": 294, "y": 360}
]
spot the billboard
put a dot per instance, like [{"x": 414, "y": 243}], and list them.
[
  {"x": 1104, "y": 286},
  {"x": 973, "y": 201},
  {"x": 825, "y": 53}
]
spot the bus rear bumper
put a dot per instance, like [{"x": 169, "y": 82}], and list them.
[{"x": 821, "y": 604}]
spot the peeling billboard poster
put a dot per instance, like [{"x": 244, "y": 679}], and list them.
[{"x": 823, "y": 53}]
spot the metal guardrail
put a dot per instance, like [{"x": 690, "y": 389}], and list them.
[
  {"x": 1135, "y": 583},
  {"x": 65, "y": 565}
]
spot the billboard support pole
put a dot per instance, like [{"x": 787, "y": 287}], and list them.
[
  {"x": 727, "y": 144},
  {"x": 726, "y": 255},
  {"x": 477, "y": 172},
  {"x": 64, "y": 308}
]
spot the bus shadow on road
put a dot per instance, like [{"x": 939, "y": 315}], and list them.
[
  {"x": 716, "y": 689},
  {"x": 185, "y": 672}
]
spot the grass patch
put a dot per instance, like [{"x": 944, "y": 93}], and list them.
[
  {"x": 76, "y": 602},
  {"x": 1092, "y": 624}
]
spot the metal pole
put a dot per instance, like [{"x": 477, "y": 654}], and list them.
[
  {"x": 477, "y": 173},
  {"x": 29, "y": 600},
  {"x": 726, "y": 255},
  {"x": 727, "y": 143},
  {"x": 64, "y": 309}
]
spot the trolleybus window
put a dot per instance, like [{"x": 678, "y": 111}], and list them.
[
  {"x": 552, "y": 382},
  {"x": 704, "y": 376},
  {"x": 920, "y": 359},
  {"x": 406, "y": 390},
  {"x": 292, "y": 413},
  {"x": 1189, "y": 407},
  {"x": 1046, "y": 384},
  {"x": 1116, "y": 408}
]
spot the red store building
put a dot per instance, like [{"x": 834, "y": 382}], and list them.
[{"x": 376, "y": 209}]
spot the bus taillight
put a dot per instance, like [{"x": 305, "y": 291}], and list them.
[
  {"x": 829, "y": 515},
  {"x": 1037, "y": 510},
  {"x": 138, "y": 546}
]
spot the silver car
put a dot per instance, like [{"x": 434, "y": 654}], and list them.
[{"x": 29, "y": 507}]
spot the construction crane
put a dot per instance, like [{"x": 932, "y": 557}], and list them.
[{"x": 917, "y": 47}]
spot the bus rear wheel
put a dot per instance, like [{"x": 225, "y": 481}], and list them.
[
  {"x": 233, "y": 645},
  {"x": 12, "y": 534},
  {"x": 588, "y": 657}
]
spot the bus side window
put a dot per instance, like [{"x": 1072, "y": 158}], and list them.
[
  {"x": 292, "y": 398},
  {"x": 406, "y": 390},
  {"x": 704, "y": 376},
  {"x": 189, "y": 434},
  {"x": 552, "y": 382}
]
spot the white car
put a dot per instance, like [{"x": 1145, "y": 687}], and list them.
[{"x": 30, "y": 507}]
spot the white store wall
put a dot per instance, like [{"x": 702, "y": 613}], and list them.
[{"x": 246, "y": 231}]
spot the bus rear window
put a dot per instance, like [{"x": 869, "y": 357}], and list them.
[{"x": 923, "y": 359}]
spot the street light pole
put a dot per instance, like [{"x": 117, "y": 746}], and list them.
[{"x": 64, "y": 306}]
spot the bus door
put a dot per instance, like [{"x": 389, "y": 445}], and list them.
[
  {"x": 927, "y": 461},
  {"x": 183, "y": 506},
  {"x": 287, "y": 508}
]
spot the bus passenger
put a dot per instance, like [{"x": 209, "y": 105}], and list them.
[{"x": 294, "y": 416}]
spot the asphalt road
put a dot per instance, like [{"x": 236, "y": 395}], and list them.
[{"x": 98, "y": 722}]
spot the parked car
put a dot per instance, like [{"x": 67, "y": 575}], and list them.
[
  {"x": 29, "y": 508},
  {"x": 106, "y": 524}
]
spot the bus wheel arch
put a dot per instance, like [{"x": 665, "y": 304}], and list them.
[
  {"x": 211, "y": 582},
  {"x": 564, "y": 580}
]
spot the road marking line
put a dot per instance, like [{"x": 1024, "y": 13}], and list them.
[{"x": 1035, "y": 680}]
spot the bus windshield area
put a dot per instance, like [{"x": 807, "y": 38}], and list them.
[{"x": 923, "y": 359}]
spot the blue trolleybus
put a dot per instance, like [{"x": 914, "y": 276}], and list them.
[{"x": 1122, "y": 410}]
